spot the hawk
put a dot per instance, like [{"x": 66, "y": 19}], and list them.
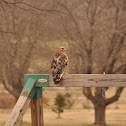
[{"x": 58, "y": 64}]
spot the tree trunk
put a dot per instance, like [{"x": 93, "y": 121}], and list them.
[
  {"x": 100, "y": 115},
  {"x": 16, "y": 97},
  {"x": 59, "y": 114}
]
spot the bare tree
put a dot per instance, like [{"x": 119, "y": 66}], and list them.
[
  {"x": 23, "y": 26},
  {"x": 96, "y": 31}
]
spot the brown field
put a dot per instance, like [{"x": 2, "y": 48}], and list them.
[
  {"x": 81, "y": 113},
  {"x": 85, "y": 117}
]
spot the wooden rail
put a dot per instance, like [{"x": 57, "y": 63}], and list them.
[{"x": 91, "y": 80}]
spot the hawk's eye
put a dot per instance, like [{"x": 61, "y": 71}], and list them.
[{"x": 62, "y": 48}]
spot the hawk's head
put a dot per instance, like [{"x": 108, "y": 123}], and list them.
[{"x": 61, "y": 49}]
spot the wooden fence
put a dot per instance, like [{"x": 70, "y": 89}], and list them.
[{"x": 32, "y": 92}]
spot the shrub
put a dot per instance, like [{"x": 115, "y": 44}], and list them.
[{"x": 59, "y": 104}]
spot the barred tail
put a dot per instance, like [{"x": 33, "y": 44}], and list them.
[{"x": 57, "y": 78}]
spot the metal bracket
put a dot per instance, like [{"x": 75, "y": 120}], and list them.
[
  {"x": 33, "y": 85},
  {"x": 29, "y": 88}
]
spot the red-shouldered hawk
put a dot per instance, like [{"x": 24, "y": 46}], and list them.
[{"x": 58, "y": 64}]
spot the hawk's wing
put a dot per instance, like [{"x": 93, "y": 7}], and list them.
[{"x": 58, "y": 65}]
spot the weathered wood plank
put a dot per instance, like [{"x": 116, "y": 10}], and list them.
[
  {"x": 37, "y": 112},
  {"x": 91, "y": 80},
  {"x": 18, "y": 111}
]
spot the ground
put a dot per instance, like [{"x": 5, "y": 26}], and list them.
[
  {"x": 81, "y": 113},
  {"x": 85, "y": 117}
]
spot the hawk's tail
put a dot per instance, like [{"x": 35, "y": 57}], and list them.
[
  {"x": 56, "y": 82},
  {"x": 57, "y": 78}
]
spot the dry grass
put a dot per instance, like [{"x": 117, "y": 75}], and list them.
[
  {"x": 77, "y": 116},
  {"x": 74, "y": 117}
]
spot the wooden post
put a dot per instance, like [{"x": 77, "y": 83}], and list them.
[
  {"x": 18, "y": 111},
  {"x": 37, "y": 112}
]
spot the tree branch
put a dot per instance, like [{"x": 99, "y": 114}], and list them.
[
  {"x": 111, "y": 65},
  {"x": 13, "y": 33},
  {"x": 87, "y": 92},
  {"x": 76, "y": 25},
  {"x": 5, "y": 85},
  {"x": 120, "y": 68},
  {"x": 39, "y": 9},
  {"x": 115, "y": 97}
]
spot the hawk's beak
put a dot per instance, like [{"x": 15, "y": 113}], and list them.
[{"x": 64, "y": 49}]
